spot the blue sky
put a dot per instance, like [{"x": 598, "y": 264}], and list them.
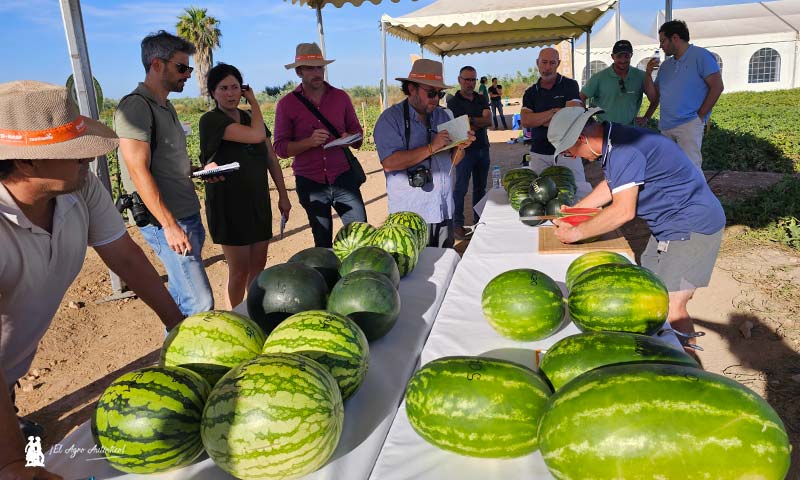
[{"x": 258, "y": 36}]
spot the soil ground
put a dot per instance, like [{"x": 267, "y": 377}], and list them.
[{"x": 749, "y": 311}]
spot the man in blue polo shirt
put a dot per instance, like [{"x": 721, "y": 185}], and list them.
[
  {"x": 688, "y": 85},
  {"x": 649, "y": 176}
]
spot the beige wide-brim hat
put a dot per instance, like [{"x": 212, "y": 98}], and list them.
[
  {"x": 40, "y": 121},
  {"x": 309, "y": 55},
  {"x": 426, "y": 72}
]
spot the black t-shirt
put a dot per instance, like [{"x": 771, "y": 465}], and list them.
[
  {"x": 496, "y": 91},
  {"x": 540, "y": 99},
  {"x": 472, "y": 108}
]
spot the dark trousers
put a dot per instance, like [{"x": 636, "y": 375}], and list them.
[
  {"x": 343, "y": 195},
  {"x": 498, "y": 105},
  {"x": 475, "y": 164},
  {"x": 441, "y": 234}
]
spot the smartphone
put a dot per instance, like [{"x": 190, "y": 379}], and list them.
[{"x": 245, "y": 87}]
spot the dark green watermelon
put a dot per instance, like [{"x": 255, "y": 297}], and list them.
[
  {"x": 553, "y": 207},
  {"x": 283, "y": 290},
  {"x": 322, "y": 260},
  {"x": 542, "y": 189},
  {"x": 373, "y": 259},
  {"x": 531, "y": 208},
  {"x": 369, "y": 299}
]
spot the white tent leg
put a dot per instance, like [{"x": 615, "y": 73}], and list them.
[
  {"x": 385, "y": 68},
  {"x": 667, "y": 11},
  {"x": 588, "y": 54},
  {"x": 321, "y": 35},
  {"x": 619, "y": 19},
  {"x": 572, "y": 55}
]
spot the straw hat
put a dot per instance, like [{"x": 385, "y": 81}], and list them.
[
  {"x": 426, "y": 72},
  {"x": 39, "y": 121},
  {"x": 309, "y": 55}
]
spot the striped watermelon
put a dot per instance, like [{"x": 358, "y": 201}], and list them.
[
  {"x": 524, "y": 174},
  {"x": 655, "y": 421},
  {"x": 557, "y": 171},
  {"x": 399, "y": 242},
  {"x": 278, "y": 416},
  {"x": 589, "y": 260},
  {"x": 577, "y": 354},
  {"x": 480, "y": 407},
  {"x": 369, "y": 299},
  {"x": 517, "y": 194},
  {"x": 373, "y": 259},
  {"x": 619, "y": 298},
  {"x": 523, "y": 304},
  {"x": 350, "y": 237},
  {"x": 211, "y": 343},
  {"x": 148, "y": 420},
  {"x": 332, "y": 340},
  {"x": 414, "y": 222}
]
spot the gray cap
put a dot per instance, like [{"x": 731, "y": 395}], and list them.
[{"x": 566, "y": 126}]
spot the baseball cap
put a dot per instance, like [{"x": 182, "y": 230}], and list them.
[{"x": 622, "y": 46}]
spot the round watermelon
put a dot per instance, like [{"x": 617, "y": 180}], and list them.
[
  {"x": 577, "y": 354},
  {"x": 531, "y": 208},
  {"x": 415, "y": 223},
  {"x": 369, "y": 299},
  {"x": 516, "y": 195},
  {"x": 523, "y": 304},
  {"x": 276, "y": 416},
  {"x": 553, "y": 207},
  {"x": 619, "y": 298},
  {"x": 283, "y": 290},
  {"x": 589, "y": 260},
  {"x": 557, "y": 170},
  {"x": 322, "y": 260},
  {"x": 480, "y": 407},
  {"x": 374, "y": 259},
  {"x": 148, "y": 420},
  {"x": 543, "y": 189},
  {"x": 211, "y": 343},
  {"x": 515, "y": 174},
  {"x": 654, "y": 421},
  {"x": 334, "y": 341},
  {"x": 399, "y": 242},
  {"x": 351, "y": 236}
]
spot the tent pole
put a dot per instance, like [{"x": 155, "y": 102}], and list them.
[
  {"x": 421, "y": 51},
  {"x": 572, "y": 56},
  {"x": 619, "y": 16},
  {"x": 588, "y": 53},
  {"x": 385, "y": 72},
  {"x": 668, "y": 11},
  {"x": 321, "y": 34}
]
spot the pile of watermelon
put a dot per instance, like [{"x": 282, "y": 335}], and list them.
[{"x": 533, "y": 195}]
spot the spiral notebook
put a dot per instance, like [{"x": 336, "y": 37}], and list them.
[{"x": 214, "y": 172}]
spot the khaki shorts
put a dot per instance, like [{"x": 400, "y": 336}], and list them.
[{"x": 684, "y": 264}]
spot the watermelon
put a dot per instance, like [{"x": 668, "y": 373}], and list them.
[
  {"x": 283, "y": 290},
  {"x": 575, "y": 220},
  {"x": 579, "y": 211},
  {"x": 589, "y": 260},
  {"x": 654, "y": 421},
  {"x": 211, "y": 343},
  {"x": 322, "y": 260},
  {"x": 516, "y": 195},
  {"x": 480, "y": 407},
  {"x": 332, "y": 340},
  {"x": 621, "y": 298},
  {"x": 350, "y": 237},
  {"x": 531, "y": 208},
  {"x": 369, "y": 299},
  {"x": 148, "y": 420},
  {"x": 518, "y": 174},
  {"x": 577, "y": 354},
  {"x": 277, "y": 416},
  {"x": 414, "y": 222},
  {"x": 557, "y": 170},
  {"x": 399, "y": 242},
  {"x": 543, "y": 189},
  {"x": 523, "y": 304},
  {"x": 553, "y": 207},
  {"x": 373, "y": 259}
]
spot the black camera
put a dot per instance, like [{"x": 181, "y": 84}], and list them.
[
  {"x": 134, "y": 203},
  {"x": 419, "y": 176}
]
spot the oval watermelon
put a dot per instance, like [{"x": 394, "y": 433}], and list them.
[
  {"x": 516, "y": 174},
  {"x": 283, "y": 290},
  {"x": 399, "y": 242},
  {"x": 276, "y": 416},
  {"x": 557, "y": 170},
  {"x": 322, "y": 260},
  {"x": 589, "y": 260},
  {"x": 671, "y": 422},
  {"x": 351, "y": 236},
  {"x": 516, "y": 195},
  {"x": 523, "y": 304},
  {"x": 480, "y": 407},
  {"x": 415, "y": 223},
  {"x": 211, "y": 343},
  {"x": 334, "y": 341},
  {"x": 577, "y": 354},
  {"x": 374, "y": 259},
  {"x": 619, "y": 298},
  {"x": 369, "y": 299},
  {"x": 148, "y": 420}
]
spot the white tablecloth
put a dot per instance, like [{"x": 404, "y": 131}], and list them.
[
  {"x": 502, "y": 243},
  {"x": 368, "y": 413}
]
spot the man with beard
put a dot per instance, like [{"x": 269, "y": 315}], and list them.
[
  {"x": 156, "y": 166},
  {"x": 51, "y": 208}
]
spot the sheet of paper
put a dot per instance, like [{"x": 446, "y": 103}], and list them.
[
  {"x": 458, "y": 129},
  {"x": 343, "y": 141}
]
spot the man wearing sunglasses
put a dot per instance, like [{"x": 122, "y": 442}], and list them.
[
  {"x": 154, "y": 163},
  {"x": 618, "y": 89},
  {"x": 409, "y": 143}
]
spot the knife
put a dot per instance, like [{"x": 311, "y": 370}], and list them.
[{"x": 538, "y": 217}]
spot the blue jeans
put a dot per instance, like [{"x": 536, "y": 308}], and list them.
[
  {"x": 475, "y": 164},
  {"x": 188, "y": 282},
  {"x": 498, "y": 105},
  {"x": 317, "y": 199}
]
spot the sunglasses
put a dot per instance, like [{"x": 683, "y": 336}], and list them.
[
  {"x": 622, "y": 86},
  {"x": 432, "y": 93},
  {"x": 181, "y": 67}
]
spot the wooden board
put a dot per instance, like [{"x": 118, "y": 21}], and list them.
[{"x": 612, "y": 241}]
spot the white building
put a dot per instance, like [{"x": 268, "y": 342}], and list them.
[{"x": 756, "y": 44}]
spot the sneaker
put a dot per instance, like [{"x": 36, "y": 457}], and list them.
[
  {"x": 30, "y": 428},
  {"x": 459, "y": 232}
]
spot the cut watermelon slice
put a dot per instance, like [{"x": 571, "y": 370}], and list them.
[
  {"x": 567, "y": 211},
  {"x": 575, "y": 220}
]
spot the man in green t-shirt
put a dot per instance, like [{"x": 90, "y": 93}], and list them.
[{"x": 618, "y": 89}]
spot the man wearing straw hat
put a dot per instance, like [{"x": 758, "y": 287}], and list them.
[
  {"x": 51, "y": 208},
  {"x": 314, "y": 114},
  {"x": 418, "y": 174}
]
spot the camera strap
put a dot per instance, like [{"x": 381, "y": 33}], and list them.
[
  {"x": 407, "y": 122},
  {"x": 153, "y": 137},
  {"x": 313, "y": 109}
]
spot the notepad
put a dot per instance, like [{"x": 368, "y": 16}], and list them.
[
  {"x": 343, "y": 141},
  {"x": 458, "y": 129},
  {"x": 215, "y": 172}
]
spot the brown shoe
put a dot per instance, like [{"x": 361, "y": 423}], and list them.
[{"x": 459, "y": 232}]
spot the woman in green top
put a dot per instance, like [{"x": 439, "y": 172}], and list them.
[
  {"x": 238, "y": 209},
  {"x": 483, "y": 90}
]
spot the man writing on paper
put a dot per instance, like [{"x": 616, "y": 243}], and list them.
[
  {"x": 476, "y": 157},
  {"x": 649, "y": 176},
  {"x": 408, "y": 142}
]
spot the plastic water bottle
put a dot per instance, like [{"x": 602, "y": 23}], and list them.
[
  {"x": 657, "y": 56},
  {"x": 496, "y": 176}
]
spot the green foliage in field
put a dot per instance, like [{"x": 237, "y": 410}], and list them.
[{"x": 772, "y": 214}]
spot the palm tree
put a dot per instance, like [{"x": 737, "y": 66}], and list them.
[{"x": 203, "y": 31}]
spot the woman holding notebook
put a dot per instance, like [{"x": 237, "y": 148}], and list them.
[{"x": 238, "y": 207}]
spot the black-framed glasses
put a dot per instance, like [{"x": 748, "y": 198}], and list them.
[
  {"x": 622, "y": 86},
  {"x": 432, "y": 93},
  {"x": 473, "y": 79},
  {"x": 181, "y": 67}
]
